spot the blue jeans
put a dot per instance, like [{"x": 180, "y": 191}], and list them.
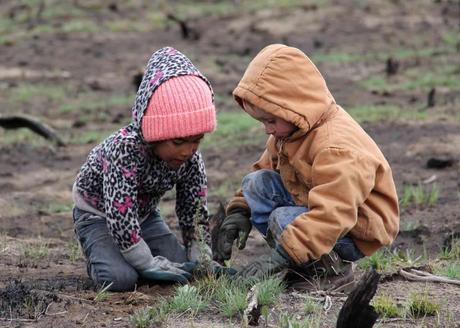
[
  {"x": 273, "y": 208},
  {"x": 106, "y": 264}
]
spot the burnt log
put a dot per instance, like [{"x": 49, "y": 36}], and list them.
[
  {"x": 31, "y": 123},
  {"x": 357, "y": 312}
]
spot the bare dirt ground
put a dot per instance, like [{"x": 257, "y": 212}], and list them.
[{"x": 351, "y": 41}]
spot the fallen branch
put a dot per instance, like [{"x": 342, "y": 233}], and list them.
[
  {"x": 417, "y": 275},
  {"x": 24, "y": 121},
  {"x": 252, "y": 313}
]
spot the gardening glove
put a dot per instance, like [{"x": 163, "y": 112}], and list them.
[
  {"x": 156, "y": 268},
  {"x": 162, "y": 269},
  {"x": 202, "y": 254},
  {"x": 235, "y": 226},
  {"x": 266, "y": 265}
]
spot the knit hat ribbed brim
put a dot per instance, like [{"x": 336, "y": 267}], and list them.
[{"x": 180, "y": 107}]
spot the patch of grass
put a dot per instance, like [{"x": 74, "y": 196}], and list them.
[
  {"x": 287, "y": 321},
  {"x": 389, "y": 261},
  {"x": 28, "y": 93},
  {"x": 420, "y": 305},
  {"x": 187, "y": 299},
  {"x": 451, "y": 251},
  {"x": 269, "y": 290},
  {"x": 420, "y": 196},
  {"x": 88, "y": 137},
  {"x": 450, "y": 270},
  {"x": 234, "y": 129},
  {"x": 380, "y": 260},
  {"x": 151, "y": 316},
  {"x": 74, "y": 251},
  {"x": 337, "y": 58},
  {"x": 80, "y": 25},
  {"x": 195, "y": 10},
  {"x": 232, "y": 299},
  {"x": 22, "y": 135},
  {"x": 386, "y": 307},
  {"x": 33, "y": 254},
  {"x": 451, "y": 39},
  {"x": 229, "y": 294},
  {"x": 59, "y": 207},
  {"x": 91, "y": 102},
  {"x": 378, "y": 113},
  {"x": 103, "y": 294},
  {"x": 310, "y": 306},
  {"x": 441, "y": 77},
  {"x": 415, "y": 79}
]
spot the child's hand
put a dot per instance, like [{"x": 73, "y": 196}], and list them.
[
  {"x": 235, "y": 226},
  {"x": 161, "y": 269},
  {"x": 266, "y": 265}
]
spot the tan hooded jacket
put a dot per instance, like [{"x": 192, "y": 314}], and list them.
[{"x": 329, "y": 165}]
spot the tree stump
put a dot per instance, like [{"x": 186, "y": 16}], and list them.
[{"x": 357, "y": 312}]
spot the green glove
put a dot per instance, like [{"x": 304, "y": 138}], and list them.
[
  {"x": 235, "y": 226},
  {"x": 266, "y": 265},
  {"x": 161, "y": 269}
]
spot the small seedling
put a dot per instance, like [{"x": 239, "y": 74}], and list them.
[
  {"x": 33, "y": 254},
  {"x": 380, "y": 261},
  {"x": 103, "y": 293},
  {"x": 451, "y": 251},
  {"x": 452, "y": 270},
  {"x": 386, "y": 307},
  {"x": 420, "y": 196},
  {"x": 268, "y": 292},
  {"x": 420, "y": 306},
  {"x": 311, "y": 306},
  {"x": 141, "y": 318},
  {"x": 150, "y": 316}
]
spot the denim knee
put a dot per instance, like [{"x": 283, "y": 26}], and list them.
[
  {"x": 258, "y": 180},
  {"x": 122, "y": 279}
]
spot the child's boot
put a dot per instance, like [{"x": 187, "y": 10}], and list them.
[{"x": 329, "y": 273}]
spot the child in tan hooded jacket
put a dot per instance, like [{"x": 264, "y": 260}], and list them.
[{"x": 322, "y": 191}]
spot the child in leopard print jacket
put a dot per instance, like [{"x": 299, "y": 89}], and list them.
[{"x": 118, "y": 188}]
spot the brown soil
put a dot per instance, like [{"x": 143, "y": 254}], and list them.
[{"x": 56, "y": 292}]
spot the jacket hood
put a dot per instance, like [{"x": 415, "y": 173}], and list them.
[
  {"x": 283, "y": 81},
  {"x": 164, "y": 64}
]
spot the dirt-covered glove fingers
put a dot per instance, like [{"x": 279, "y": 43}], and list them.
[
  {"x": 242, "y": 238},
  {"x": 225, "y": 242}
]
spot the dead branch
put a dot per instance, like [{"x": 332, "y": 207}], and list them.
[
  {"x": 24, "y": 121},
  {"x": 417, "y": 275},
  {"x": 357, "y": 312},
  {"x": 252, "y": 313}
]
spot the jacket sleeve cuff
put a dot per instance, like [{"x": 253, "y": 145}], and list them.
[{"x": 139, "y": 256}]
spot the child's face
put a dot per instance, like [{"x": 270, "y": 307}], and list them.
[
  {"x": 273, "y": 125},
  {"x": 176, "y": 152}
]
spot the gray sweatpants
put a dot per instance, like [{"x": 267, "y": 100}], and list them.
[{"x": 106, "y": 264}]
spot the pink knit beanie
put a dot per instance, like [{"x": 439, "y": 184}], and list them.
[{"x": 180, "y": 107}]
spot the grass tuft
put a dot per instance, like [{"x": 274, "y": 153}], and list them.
[
  {"x": 187, "y": 298},
  {"x": 419, "y": 196},
  {"x": 420, "y": 305},
  {"x": 386, "y": 307}
]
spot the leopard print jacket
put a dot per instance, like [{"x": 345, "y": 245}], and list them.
[{"x": 125, "y": 180}]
